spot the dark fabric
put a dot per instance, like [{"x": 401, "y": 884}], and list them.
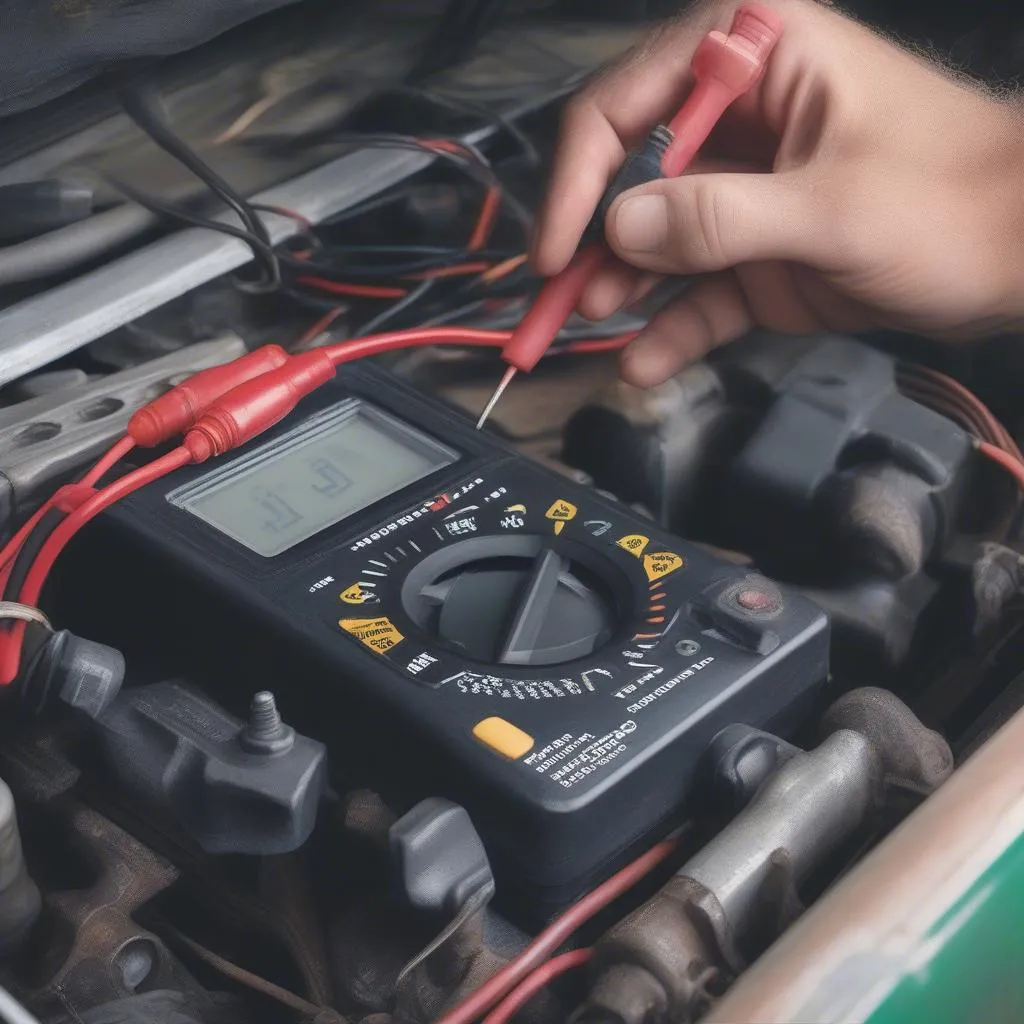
[{"x": 48, "y": 47}]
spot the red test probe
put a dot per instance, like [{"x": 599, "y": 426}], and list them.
[{"x": 724, "y": 67}]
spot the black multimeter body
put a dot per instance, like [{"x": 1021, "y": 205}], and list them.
[{"x": 501, "y": 635}]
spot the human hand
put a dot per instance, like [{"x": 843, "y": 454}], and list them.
[{"x": 856, "y": 186}]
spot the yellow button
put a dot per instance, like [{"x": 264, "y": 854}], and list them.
[{"x": 503, "y": 737}]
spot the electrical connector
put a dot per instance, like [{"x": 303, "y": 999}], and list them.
[
  {"x": 254, "y": 406},
  {"x": 173, "y": 413}
]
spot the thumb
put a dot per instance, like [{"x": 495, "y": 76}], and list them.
[{"x": 699, "y": 223}]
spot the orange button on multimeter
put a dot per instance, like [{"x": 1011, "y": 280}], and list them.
[{"x": 503, "y": 737}]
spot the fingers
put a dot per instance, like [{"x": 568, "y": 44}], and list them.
[
  {"x": 589, "y": 153},
  {"x": 714, "y": 311},
  {"x": 616, "y": 287},
  {"x": 610, "y": 116},
  {"x": 609, "y": 291},
  {"x": 704, "y": 223}
]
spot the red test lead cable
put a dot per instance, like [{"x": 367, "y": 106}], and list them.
[
  {"x": 536, "y": 954},
  {"x": 506, "y": 1010},
  {"x": 724, "y": 67},
  {"x": 92, "y": 506}
]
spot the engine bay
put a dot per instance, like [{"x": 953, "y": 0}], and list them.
[{"x": 615, "y": 711}]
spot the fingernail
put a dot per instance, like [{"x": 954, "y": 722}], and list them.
[{"x": 641, "y": 223}]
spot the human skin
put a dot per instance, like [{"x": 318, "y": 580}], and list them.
[{"x": 857, "y": 186}]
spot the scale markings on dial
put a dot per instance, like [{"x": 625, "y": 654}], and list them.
[{"x": 481, "y": 594}]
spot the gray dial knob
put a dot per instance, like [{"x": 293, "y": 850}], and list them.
[{"x": 512, "y": 604}]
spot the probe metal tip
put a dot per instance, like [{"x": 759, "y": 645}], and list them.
[{"x": 494, "y": 399}]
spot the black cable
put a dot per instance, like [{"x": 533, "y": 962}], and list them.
[
  {"x": 478, "y": 110},
  {"x": 260, "y": 249},
  {"x": 471, "y": 160},
  {"x": 29, "y": 552},
  {"x": 142, "y": 106},
  {"x": 369, "y": 206},
  {"x": 468, "y": 159},
  {"x": 439, "y": 256},
  {"x": 404, "y": 304},
  {"x": 338, "y": 268},
  {"x": 453, "y": 315}
]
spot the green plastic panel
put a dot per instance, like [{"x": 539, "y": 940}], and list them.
[{"x": 972, "y": 970}]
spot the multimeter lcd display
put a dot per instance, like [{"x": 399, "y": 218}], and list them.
[{"x": 329, "y": 467}]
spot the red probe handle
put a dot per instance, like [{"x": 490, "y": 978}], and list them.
[
  {"x": 724, "y": 68},
  {"x": 552, "y": 307}
]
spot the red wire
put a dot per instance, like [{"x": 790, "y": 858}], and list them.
[
  {"x": 486, "y": 220},
  {"x": 416, "y": 337},
  {"x": 999, "y": 434},
  {"x": 375, "y": 344},
  {"x": 456, "y": 270},
  {"x": 98, "y": 471},
  {"x": 283, "y": 211},
  {"x": 935, "y": 397},
  {"x": 556, "y": 933},
  {"x": 591, "y": 346},
  {"x": 503, "y": 269},
  {"x": 540, "y": 978},
  {"x": 105, "y": 464},
  {"x": 36, "y": 579},
  {"x": 1003, "y": 458},
  {"x": 356, "y": 291},
  {"x": 492, "y": 199},
  {"x": 315, "y": 330}
]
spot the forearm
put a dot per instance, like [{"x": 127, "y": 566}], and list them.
[{"x": 1012, "y": 198}]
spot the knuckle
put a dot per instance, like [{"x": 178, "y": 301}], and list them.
[
  {"x": 706, "y": 234},
  {"x": 580, "y": 115}
]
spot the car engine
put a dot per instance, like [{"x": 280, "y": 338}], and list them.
[{"x": 636, "y": 707}]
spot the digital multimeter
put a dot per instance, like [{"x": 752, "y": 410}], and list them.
[{"x": 503, "y": 636}]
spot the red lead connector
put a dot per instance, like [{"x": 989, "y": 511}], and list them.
[
  {"x": 172, "y": 414},
  {"x": 725, "y": 67},
  {"x": 256, "y": 405}
]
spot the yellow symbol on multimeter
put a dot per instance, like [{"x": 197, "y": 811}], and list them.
[
  {"x": 379, "y": 634},
  {"x": 358, "y": 594},
  {"x": 561, "y": 512},
  {"x": 634, "y": 543},
  {"x": 660, "y": 564}
]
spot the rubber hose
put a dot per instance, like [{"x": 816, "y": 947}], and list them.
[{"x": 69, "y": 247}]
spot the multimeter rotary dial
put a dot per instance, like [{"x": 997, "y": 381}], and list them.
[
  {"x": 512, "y": 601},
  {"x": 494, "y": 589}
]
